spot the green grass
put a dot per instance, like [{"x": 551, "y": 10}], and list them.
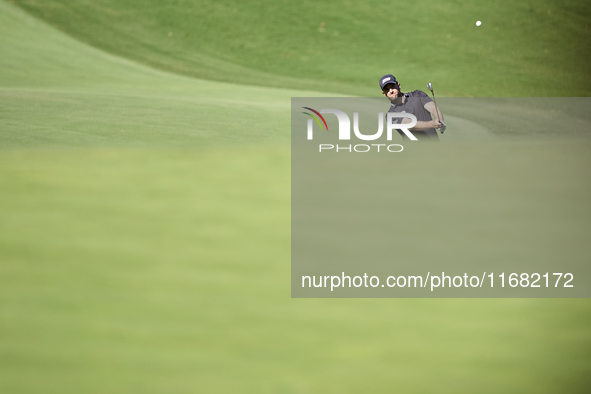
[
  {"x": 145, "y": 231},
  {"x": 529, "y": 48}
]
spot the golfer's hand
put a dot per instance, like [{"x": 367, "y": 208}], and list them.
[
  {"x": 442, "y": 128},
  {"x": 436, "y": 124}
]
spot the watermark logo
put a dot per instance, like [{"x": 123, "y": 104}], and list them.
[
  {"x": 315, "y": 118},
  {"x": 345, "y": 124}
]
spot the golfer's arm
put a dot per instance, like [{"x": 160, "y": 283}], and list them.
[
  {"x": 434, "y": 111},
  {"x": 425, "y": 125},
  {"x": 422, "y": 125}
]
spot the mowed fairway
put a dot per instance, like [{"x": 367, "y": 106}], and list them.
[
  {"x": 530, "y": 48},
  {"x": 145, "y": 245}
]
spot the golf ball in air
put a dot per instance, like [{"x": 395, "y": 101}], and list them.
[{"x": 478, "y": 23}]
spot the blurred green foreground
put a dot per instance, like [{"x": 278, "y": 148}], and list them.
[{"x": 145, "y": 247}]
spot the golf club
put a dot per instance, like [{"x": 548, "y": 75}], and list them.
[{"x": 442, "y": 128}]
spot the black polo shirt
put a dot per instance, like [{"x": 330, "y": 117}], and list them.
[{"x": 414, "y": 103}]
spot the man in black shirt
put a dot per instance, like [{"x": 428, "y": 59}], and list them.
[{"x": 418, "y": 103}]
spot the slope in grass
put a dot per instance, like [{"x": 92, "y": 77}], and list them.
[
  {"x": 56, "y": 91},
  {"x": 525, "y": 48}
]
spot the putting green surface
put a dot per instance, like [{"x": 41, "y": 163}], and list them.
[{"x": 145, "y": 220}]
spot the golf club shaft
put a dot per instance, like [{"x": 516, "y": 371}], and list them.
[
  {"x": 436, "y": 108},
  {"x": 430, "y": 86}
]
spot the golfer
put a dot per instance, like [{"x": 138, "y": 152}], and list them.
[{"x": 418, "y": 103}]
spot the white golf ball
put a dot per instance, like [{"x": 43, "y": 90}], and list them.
[{"x": 478, "y": 23}]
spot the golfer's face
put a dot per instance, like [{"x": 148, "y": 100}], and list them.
[{"x": 390, "y": 91}]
